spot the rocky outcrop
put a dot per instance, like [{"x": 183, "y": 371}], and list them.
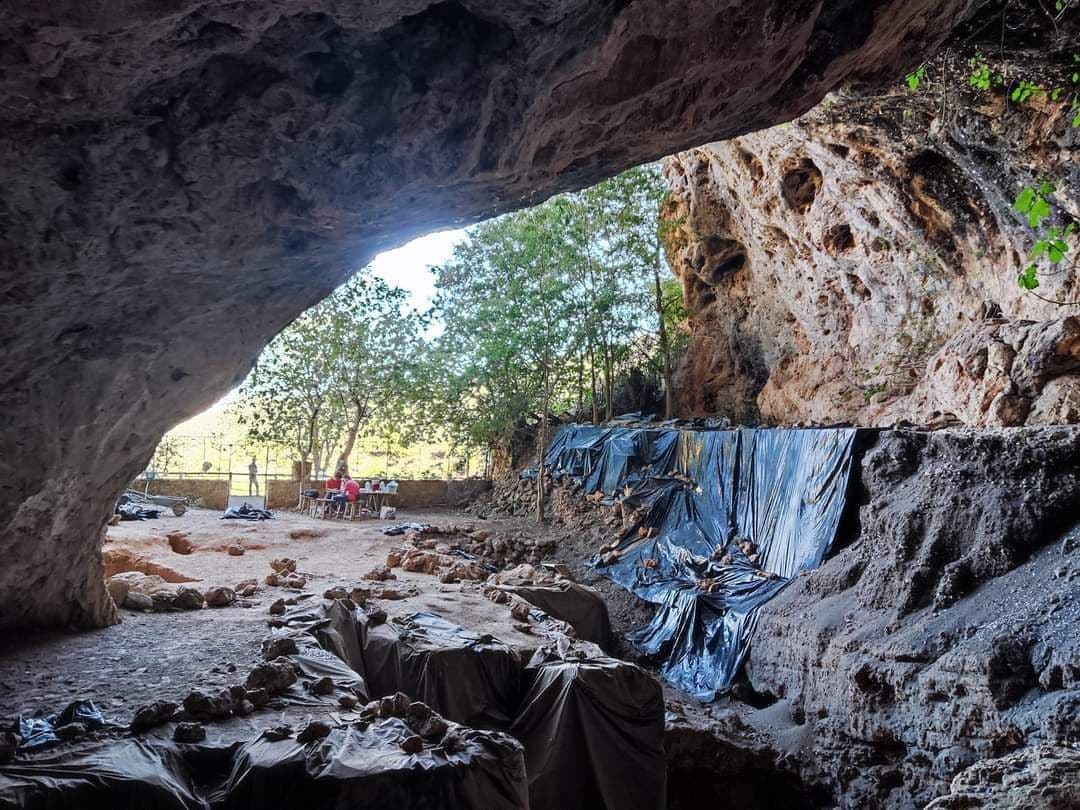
[
  {"x": 182, "y": 179},
  {"x": 944, "y": 634},
  {"x": 1043, "y": 776},
  {"x": 860, "y": 264}
]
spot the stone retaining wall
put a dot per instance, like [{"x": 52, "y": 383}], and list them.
[{"x": 213, "y": 493}]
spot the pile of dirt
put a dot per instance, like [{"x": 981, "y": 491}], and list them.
[
  {"x": 119, "y": 560},
  {"x": 495, "y": 548}
]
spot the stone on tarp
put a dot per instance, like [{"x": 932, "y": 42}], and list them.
[
  {"x": 273, "y": 676},
  {"x": 278, "y": 646},
  {"x": 189, "y": 732},
  {"x": 315, "y": 730}
]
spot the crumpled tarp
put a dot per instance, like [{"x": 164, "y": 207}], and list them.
[
  {"x": 365, "y": 767},
  {"x": 37, "y": 732},
  {"x": 357, "y": 765},
  {"x": 102, "y": 775},
  {"x": 466, "y": 677},
  {"x": 580, "y": 607},
  {"x": 246, "y": 511},
  {"x": 593, "y": 732},
  {"x": 128, "y": 509},
  {"x": 783, "y": 489}
]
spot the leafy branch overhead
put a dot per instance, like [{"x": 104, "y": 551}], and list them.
[{"x": 1051, "y": 242}]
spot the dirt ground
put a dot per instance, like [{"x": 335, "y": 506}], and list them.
[{"x": 156, "y": 656}]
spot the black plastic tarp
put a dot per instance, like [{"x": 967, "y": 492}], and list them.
[
  {"x": 102, "y": 775},
  {"x": 783, "y": 489},
  {"x": 593, "y": 732},
  {"x": 357, "y": 765},
  {"x": 467, "y": 677},
  {"x": 582, "y": 608},
  {"x": 364, "y": 766}
]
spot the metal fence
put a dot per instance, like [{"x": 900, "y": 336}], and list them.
[{"x": 209, "y": 458}]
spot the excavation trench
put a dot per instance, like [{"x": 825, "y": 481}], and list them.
[{"x": 503, "y": 705}]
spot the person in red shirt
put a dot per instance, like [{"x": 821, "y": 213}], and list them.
[
  {"x": 333, "y": 484},
  {"x": 350, "y": 490}
]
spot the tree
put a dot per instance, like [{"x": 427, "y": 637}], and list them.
[
  {"x": 548, "y": 308},
  {"x": 323, "y": 377}
]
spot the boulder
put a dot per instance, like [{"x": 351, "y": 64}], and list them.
[
  {"x": 247, "y": 587},
  {"x": 118, "y": 589},
  {"x": 152, "y": 714},
  {"x": 379, "y": 573},
  {"x": 180, "y": 543},
  {"x": 273, "y": 676},
  {"x": 138, "y": 601},
  {"x": 220, "y": 597},
  {"x": 188, "y": 598}
]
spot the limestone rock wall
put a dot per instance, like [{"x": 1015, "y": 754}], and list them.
[
  {"x": 944, "y": 634},
  {"x": 181, "y": 179},
  {"x": 860, "y": 263}
]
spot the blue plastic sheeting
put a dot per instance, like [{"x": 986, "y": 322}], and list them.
[{"x": 699, "y": 491}]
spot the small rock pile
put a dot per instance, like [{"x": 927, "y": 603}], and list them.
[
  {"x": 457, "y": 553},
  {"x": 264, "y": 682},
  {"x": 148, "y": 592},
  {"x": 283, "y": 575},
  {"x": 426, "y": 725}
]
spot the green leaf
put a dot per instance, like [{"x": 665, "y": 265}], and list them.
[
  {"x": 1028, "y": 280},
  {"x": 914, "y": 79},
  {"x": 1024, "y": 200},
  {"x": 1039, "y": 211}
]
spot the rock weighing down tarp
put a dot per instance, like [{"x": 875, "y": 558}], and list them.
[{"x": 697, "y": 491}]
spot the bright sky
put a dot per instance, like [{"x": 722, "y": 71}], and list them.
[{"x": 407, "y": 267}]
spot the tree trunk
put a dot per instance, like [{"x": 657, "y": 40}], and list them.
[
  {"x": 541, "y": 446},
  {"x": 665, "y": 344},
  {"x": 350, "y": 437},
  {"x": 592, "y": 374}
]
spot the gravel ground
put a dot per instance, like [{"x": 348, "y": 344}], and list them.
[{"x": 165, "y": 655}]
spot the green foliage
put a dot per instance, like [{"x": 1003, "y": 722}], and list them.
[
  {"x": 345, "y": 361},
  {"x": 915, "y": 78},
  {"x": 1033, "y": 203},
  {"x": 544, "y": 309},
  {"x": 1051, "y": 242},
  {"x": 980, "y": 77},
  {"x": 1024, "y": 90},
  {"x": 1027, "y": 279}
]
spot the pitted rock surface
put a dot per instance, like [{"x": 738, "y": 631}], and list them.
[{"x": 860, "y": 264}]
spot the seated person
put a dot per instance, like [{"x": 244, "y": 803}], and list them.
[
  {"x": 349, "y": 490},
  {"x": 333, "y": 484}
]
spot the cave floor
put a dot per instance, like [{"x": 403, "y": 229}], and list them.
[{"x": 163, "y": 656}]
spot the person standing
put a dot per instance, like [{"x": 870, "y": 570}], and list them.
[{"x": 253, "y": 477}]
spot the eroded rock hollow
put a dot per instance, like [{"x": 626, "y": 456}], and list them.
[
  {"x": 860, "y": 263},
  {"x": 182, "y": 179}
]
